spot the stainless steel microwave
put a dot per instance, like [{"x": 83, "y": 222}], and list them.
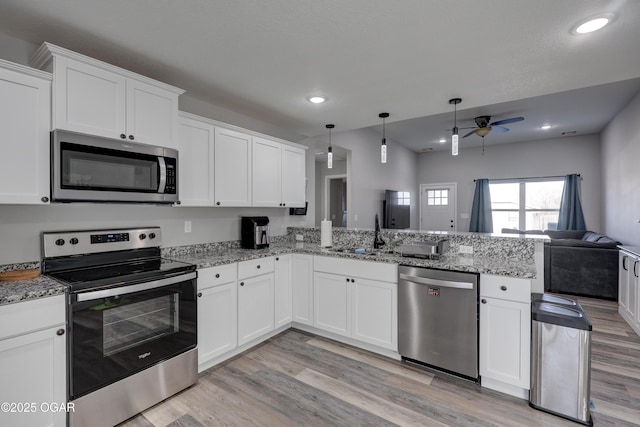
[{"x": 87, "y": 168}]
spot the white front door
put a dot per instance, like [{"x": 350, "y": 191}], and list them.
[{"x": 438, "y": 207}]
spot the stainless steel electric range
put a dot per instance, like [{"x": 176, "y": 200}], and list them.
[{"x": 131, "y": 320}]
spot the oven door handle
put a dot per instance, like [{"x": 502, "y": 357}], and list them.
[
  {"x": 136, "y": 288},
  {"x": 437, "y": 282}
]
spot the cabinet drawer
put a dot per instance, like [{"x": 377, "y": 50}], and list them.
[
  {"x": 217, "y": 275},
  {"x": 355, "y": 268},
  {"x": 22, "y": 317},
  {"x": 506, "y": 288},
  {"x": 255, "y": 267}
]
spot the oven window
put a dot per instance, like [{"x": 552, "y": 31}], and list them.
[
  {"x": 126, "y": 325},
  {"x": 92, "y": 168}
]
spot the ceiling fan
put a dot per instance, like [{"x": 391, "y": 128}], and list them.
[{"x": 484, "y": 125}]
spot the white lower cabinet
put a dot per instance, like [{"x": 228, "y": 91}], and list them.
[
  {"x": 283, "y": 295},
  {"x": 375, "y": 312},
  {"x": 332, "y": 303},
  {"x": 357, "y": 299},
  {"x": 217, "y": 312},
  {"x": 505, "y": 334},
  {"x": 629, "y": 289},
  {"x": 255, "y": 299},
  {"x": 302, "y": 288},
  {"x": 33, "y": 362}
]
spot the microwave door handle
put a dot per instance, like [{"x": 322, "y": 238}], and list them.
[{"x": 162, "y": 182}]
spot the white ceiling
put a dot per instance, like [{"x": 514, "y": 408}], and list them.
[{"x": 407, "y": 57}]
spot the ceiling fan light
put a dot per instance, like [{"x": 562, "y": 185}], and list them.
[
  {"x": 545, "y": 127},
  {"x": 483, "y": 131}
]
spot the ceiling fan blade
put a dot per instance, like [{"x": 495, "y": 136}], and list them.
[
  {"x": 499, "y": 128},
  {"x": 470, "y": 133},
  {"x": 507, "y": 121}
]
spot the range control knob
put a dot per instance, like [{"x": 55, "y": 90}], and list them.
[
  {"x": 59, "y": 242},
  {"x": 73, "y": 241},
  {"x": 142, "y": 236},
  {"x": 152, "y": 235}
]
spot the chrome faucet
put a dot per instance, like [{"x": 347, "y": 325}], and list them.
[{"x": 377, "y": 240}]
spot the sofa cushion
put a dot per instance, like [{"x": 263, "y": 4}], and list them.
[{"x": 590, "y": 236}]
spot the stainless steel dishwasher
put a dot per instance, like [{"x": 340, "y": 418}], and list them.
[{"x": 438, "y": 319}]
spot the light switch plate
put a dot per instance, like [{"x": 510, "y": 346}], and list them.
[{"x": 187, "y": 226}]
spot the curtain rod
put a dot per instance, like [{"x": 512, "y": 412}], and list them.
[{"x": 530, "y": 177}]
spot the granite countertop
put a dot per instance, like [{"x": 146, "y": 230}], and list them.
[
  {"x": 25, "y": 290},
  {"x": 44, "y": 286},
  {"x": 457, "y": 262}
]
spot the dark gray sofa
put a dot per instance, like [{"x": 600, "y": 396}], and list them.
[{"x": 581, "y": 263}]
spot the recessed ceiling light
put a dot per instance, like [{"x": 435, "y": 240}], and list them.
[
  {"x": 593, "y": 24},
  {"x": 317, "y": 99},
  {"x": 442, "y": 140},
  {"x": 545, "y": 127}
]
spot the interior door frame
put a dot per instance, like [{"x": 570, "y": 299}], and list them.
[
  {"x": 327, "y": 191},
  {"x": 436, "y": 186}
]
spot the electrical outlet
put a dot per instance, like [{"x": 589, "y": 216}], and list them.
[
  {"x": 464, "y": 216},
  {"x": 466, "y": 249},
  {"x": 187, "y": 226},
  {"x": 355, "y": 218},
  {"x": 299, "y": 238}
]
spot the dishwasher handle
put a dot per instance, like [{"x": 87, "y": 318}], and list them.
[{"x": 437, "y": 282}]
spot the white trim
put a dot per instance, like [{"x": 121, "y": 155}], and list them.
[
  {"x": 213, "y": 122},
  {"x": 8, "y": 65},
  {"x": 436, "y": 186},
  {"x": 327, "y": 194},
  {"x": 47, "y": 50}
]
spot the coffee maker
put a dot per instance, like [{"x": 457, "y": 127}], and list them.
[{"x": 255, "y": 232}]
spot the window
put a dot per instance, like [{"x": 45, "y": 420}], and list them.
[
  {"x": 438, "y": 197},
  {"x": 526, "y": 204}
]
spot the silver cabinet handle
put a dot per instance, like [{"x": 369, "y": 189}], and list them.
[
  {"x": 199, "y": 294},
  {"x": 436, "y": 282},
  {"x": 503, "y": 288},
  {"x": 624, "y": 265},
  {"x": 635, "y": 268}
]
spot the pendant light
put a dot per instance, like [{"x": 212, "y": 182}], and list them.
[
  {"x": 330, "y": 150},
  {"x": 383, "y": 146},
  {"x": 454, "y": 136}
]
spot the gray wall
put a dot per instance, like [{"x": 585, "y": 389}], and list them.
[
  {"x": 621, "y": 175},
  {"x": 369, "y": 177},
  {"x": 552, "y": 157}
]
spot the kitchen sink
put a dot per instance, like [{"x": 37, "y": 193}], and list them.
[{"x": 367, "y": 251}]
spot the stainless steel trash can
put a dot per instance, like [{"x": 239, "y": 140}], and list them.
[{"x": 561, "y": 360}]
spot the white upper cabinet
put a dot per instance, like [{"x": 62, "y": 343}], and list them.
[
  {"x": 90, "y": 96},
  {"x": 293, "y": 177},
  {"x": 278, "y": 174},
  {"x": 25, "y": 97},
  {"x": 266, "y": 173},
  {"x": 195, "y": 170},
  {"x": 232, "y": 168}
]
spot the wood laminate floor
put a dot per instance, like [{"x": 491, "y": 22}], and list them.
[{"x": 298, "y": 379}]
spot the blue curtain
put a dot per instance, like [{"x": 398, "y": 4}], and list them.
[
  {"x": 570, "y": 216},
  {"x": 481, "y": 218}
]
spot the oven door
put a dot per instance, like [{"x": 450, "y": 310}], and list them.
[
  {"x": 88, "y": 168},
  {"x": 120, "y": 331}
]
